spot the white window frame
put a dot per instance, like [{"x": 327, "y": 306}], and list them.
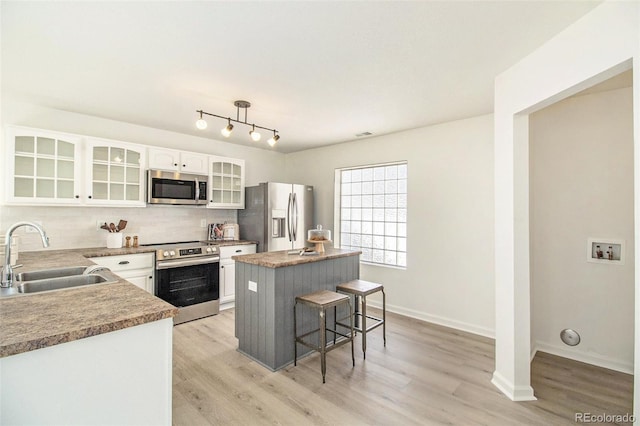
[{"x": 400, "y": 263}]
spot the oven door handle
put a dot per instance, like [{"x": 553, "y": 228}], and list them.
[{"x": 189, "y": 262}]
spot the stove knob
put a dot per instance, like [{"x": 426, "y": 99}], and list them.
[
  {"x": 172, "y": 253},
  {"x": 165, "y": 254},
  {"x": 209, "y": 250}
]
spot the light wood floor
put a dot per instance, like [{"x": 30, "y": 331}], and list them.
[{"x": 427, "y": 374}]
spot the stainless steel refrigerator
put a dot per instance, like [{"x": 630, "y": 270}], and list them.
[{"x": 277, "y": 215}]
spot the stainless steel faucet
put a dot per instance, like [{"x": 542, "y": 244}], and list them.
[{"x": 7, "y": 270}]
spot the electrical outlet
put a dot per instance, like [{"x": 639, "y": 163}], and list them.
[
  {"x": 203, "y": 223},
  {"x": 31, "y": 229},
  {"x": 253, "y": 286}
]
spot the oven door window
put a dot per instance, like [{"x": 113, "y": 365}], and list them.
[
  {"x": 173, "y": 189},
  {"x": 188, "y": 285}
]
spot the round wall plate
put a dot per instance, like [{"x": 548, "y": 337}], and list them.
[{"x": 570, "y": 337}]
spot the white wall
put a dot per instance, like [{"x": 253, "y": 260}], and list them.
[
  {"x": 581, "y": 186},
  {"x": 449, "y": 275},
  {"x": 601, "y": 44},
  {"x": 71, "y": 227}
]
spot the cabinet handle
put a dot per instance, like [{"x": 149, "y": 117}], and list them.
[
  {"x": 238, "y": 251},
  {"x": 123, "y": 262}
]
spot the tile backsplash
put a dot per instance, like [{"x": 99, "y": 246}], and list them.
[{"x": 75, "y": 227}]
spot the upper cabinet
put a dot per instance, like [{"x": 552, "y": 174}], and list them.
[
  {"x": 177, "y": 161},
  {"x": 51, "y": 168},
  {"x": 226, "y": 183},
  {"x": 43, "y": 166},
  {"x": 115, "y": 173}
]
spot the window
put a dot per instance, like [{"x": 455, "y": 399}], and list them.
[{"x": 372, "y": 212}]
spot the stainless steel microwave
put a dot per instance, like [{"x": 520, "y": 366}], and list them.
[{"x": 165, "y": 187}]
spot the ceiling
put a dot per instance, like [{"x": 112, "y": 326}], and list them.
[{"x": 318, "y": 72}]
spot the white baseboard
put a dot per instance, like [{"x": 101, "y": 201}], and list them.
[
  {"x": 447, "y": 322},
  {"x": 593, "y": 359},
  {"x": 514, "y": 393},
  {"x": 227, "y": 305}
]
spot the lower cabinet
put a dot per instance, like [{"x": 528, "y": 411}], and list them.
[
  {"x": 228, "y": 272},
  {"x": 138, "y": 268}
]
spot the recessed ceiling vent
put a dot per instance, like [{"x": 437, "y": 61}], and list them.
[{"x": 359, "y": 135}]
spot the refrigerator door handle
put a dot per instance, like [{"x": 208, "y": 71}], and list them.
[
  {"x": 295, "y": 213},
  {"x": 289, "y": 227}
]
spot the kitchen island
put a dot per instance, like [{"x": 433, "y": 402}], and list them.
[{"x": 266, "y": 287}]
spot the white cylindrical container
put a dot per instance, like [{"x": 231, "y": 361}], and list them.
[{"x": 114, "y": 240}]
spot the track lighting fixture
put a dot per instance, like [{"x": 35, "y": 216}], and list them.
[
  {"x": 272, "y": 140},
  {"x": 201, "y": 124},
  {"x": 226, "y": 131},
  {"x": 254, "y": 135}
]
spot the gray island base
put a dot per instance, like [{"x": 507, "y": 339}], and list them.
[{"x": 266, "y": 287}]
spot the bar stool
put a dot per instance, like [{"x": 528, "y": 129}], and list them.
[
  {"x": 321, "y": 301},
  {"x": 360, "y": 289}
]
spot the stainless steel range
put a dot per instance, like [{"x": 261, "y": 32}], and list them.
[{"x": 187, "y": 276}]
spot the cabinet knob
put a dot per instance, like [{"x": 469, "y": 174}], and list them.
[
  {"x": 77, "y": 196},
  {"x": 184, "y": 165},
  {"x": 175, "y": 164},
  {"x": 221, "y": 267},
  {"x": 89, "y": 196}
]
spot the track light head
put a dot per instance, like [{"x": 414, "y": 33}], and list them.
[
  {"x": 226, "y": 132},
  {"x": 255, "y": 135},
  {"x": 272, "y": 140},
  {"x": 201, "y": 124}
]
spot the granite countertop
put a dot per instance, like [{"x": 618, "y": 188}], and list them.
[
  {"x": 38, "y": 320},
  {"x": 278, "y": 259}
]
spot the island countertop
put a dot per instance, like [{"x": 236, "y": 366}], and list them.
[
  {"x": 279, "y": 259},
  {"x": 38, "y": 320}
]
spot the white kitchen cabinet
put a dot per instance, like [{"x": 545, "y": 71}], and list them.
[
  {"x": 121, "y": 378},
  {"x": 177, "y": 161},
  {"x": 52, "y": 168},
  {"x": 42, "y": 167},
  {"x": 226, "y": 183},
  {"x": 138, "y": 268},
  {"x": 228, "y": 271},
  {"x": 115, "y": 173}
]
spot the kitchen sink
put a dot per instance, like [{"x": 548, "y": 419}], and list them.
[
  {"x": 56, "y": 283},
  {"x": 51, "y": 273}
]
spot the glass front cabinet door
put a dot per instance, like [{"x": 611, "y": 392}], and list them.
[
  {"x": 115, "y": 173},
  {"x": 226, "y": 183},
  {"x": 43, "y": 167}
]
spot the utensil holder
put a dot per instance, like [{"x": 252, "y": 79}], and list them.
[{"x": 114, "y": 240}]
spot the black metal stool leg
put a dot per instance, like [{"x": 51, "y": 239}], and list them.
[
  {"x": 352, "y": 331},
  {"x": 295, "y": 336},
  {"x": 364, "y": 326},
  {"x": 384, "y": 317},
  {"x": 323, "y": 343}
]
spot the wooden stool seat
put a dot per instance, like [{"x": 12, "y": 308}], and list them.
[
  {"x": 321, "y": 301},
  {"x": 360, "y": 289}
]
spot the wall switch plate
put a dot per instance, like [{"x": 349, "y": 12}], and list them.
[
  {"x": 31, "y": 229},
  {"x": 203, "y": 223},
  {"x": 253, "y": 286}
]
